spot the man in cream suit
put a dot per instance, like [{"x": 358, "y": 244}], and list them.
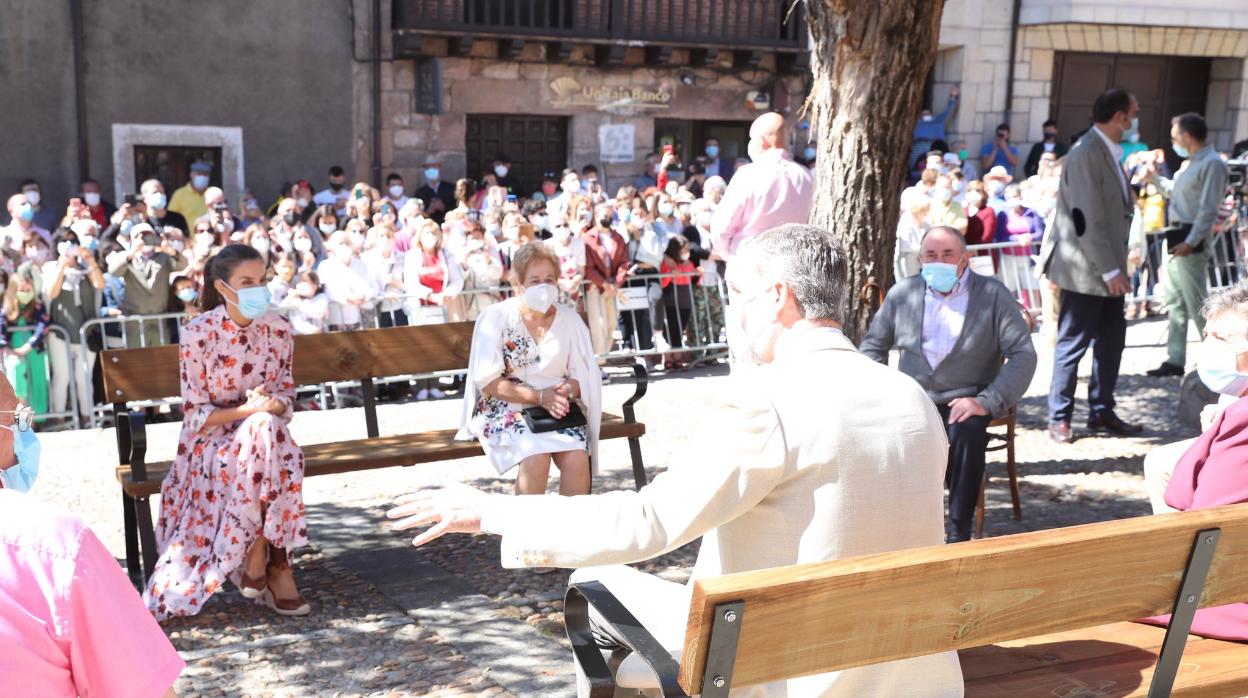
[
  {"x": 1085, "y": 254},
  {"x": 820, "y": 453}
]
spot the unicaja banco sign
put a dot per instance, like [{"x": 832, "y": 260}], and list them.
[{"x": 571, "y": 93}]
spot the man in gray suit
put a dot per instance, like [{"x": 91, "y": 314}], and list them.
[
  {"x": 1085, "y": 255},
  {"x": 957, "y": 356}
]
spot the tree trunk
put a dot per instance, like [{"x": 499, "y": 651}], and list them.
[{"x": 870, "y": 59}]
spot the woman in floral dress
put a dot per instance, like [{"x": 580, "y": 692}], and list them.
[
  {"x": 231, "y": 507},
  {"x": 529, "y": 351}
]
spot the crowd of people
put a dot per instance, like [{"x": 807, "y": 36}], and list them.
[{"x": 640, "y": 263}]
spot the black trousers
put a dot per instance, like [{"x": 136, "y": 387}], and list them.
[
  {"x": 968, "y": 441},
  {"x": 1087, "y": 322}
]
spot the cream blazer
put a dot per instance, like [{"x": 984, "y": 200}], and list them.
[{"x": 822, "y": 454}]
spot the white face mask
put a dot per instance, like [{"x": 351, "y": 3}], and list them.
[
  {"x": 570, "y": 186},
  {"x": 500, "y": 170},
  {"x": 303, "y": 202},
  {"x": 1218, "y": 367},
  {"x": 303, "y": 245},
  {"x": 34, "y": 197},
  {"x": 92, "y": 198},
  {"x": 539, "y": 298},
  {"x": 396, "y": 191}
]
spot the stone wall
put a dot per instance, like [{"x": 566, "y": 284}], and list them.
[
  {"x": 487, "y": 85},
  {"x": 1034, "y": 59},
  {"x": 1159, "y": 13}
]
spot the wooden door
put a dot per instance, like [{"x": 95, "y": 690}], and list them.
[
  {"x": 1165, "y": 86},
  {"x": 535, "y": 144}
]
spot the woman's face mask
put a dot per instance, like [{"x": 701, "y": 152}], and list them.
[
  {"x": 1218, "y": 367},
  {"x": 21, "y": 477}
]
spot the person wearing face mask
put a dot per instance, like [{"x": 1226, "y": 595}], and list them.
[
  {"x": 1050, "y": 144},
  {"x": 974, "y": 366},
  {"x": 335, "y": 194},
  {"x": 770, "y": 191},
  {"x": 71, "y": 623},
  {"x": 530, "y": 351},
  {"x": 306, "y": 305},
  {"x": 1209, "y": 471},
  {"x": 156, "y": 211},
  {"x": 1195, "y": 195},
  {"x": 569, "y": 186},
  {"x": 23, "y": 332},
  {"x": 501, "y": 167},
  {"x": 1019, "y": 224},
  {"x": 716, "y": 167},
  {"x": 347, "y": 283},
  {"x": 437, "y": 195},
  {"x": 233, "y": 497},
  {"x": 708, "y": 312},
  {"x": 1085, "y": 255},
  {"x": 286, "y": 225},
  {"x": 1000, "y": 152},
  {"x": 188, "y": 200},
  {"x": 432, "y": 279},
  {"x": 145, "y": 269},
  {"x": 931, "y": 128},
  {"x": 606, "y": 261},
  {"x": 21, "y": 224},
  {"x": 99, "y": 209},
  {"x": 784, "y": 475},
  {"x": 995, "y": 183},
  {"x": 44, "y": 217},
  {"x": 944, "y": 210},
  {"x": 568, "y": 246},
  {"x": 183, "y": 301},
  {"x": 73, "y": 280},
  {"x": 395, "y": 193},
  {"x": 249, "y": 211}
]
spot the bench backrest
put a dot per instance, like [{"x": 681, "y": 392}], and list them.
[
  {"x": 152, "y": 373},
  {"x": 809, "y": 619}
]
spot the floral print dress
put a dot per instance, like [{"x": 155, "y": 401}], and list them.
[
  {"x": 503, "y": 347},
  {"x": 211, "y": 500}
]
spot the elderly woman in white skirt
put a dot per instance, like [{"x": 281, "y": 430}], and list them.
[{"x": 529, "y": 351}]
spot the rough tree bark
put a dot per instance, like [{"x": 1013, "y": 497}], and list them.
[{"x": 870, "y": 58}]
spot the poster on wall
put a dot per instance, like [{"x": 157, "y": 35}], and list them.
[{"x": 616, "y": 143}]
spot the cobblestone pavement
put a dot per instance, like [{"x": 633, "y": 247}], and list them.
[{"x": 446, "y": 620}]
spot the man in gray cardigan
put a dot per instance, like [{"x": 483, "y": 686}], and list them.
[{"x": 963, "y": 338}]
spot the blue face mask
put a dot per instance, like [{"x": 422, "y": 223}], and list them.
[
  {"x": 1180, "y": 151},
  {"x": 187, "y": 295},
  {"x": 200, "y": 182},
  {"x": 431, "y": 174},
  {"x": 712, "y": 151},
  {"x": 26, "y": 212},
  {"x": 252, "y": 302},
  {"x": 809, "y": 153},
  {"x": 941, "y": 277},
  {"x": 21, "y": 477},
  {"x": 626, "y": 214}
]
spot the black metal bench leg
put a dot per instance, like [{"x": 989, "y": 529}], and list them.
[
  {"x": 132, "y": 540},
  {"x": 639, "y": 467},
  {"x": 147, "y": 536}
]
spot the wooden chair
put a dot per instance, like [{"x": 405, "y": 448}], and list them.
[
  {"x": 152, "y": 373},
  {"x": 1007, "y": 444},
  {"x": 1033, "y": 614}
]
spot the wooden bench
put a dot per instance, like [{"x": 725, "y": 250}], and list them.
[
  {"x": 152, "y": 373},
  {"x": 1034, "y": 614}
]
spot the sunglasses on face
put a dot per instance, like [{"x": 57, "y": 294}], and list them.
[{"x": 23, "y": 417}]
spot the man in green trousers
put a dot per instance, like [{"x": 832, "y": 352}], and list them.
[{"x": 1195, "y": 194}]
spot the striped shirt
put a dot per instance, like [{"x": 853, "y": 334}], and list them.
[{"x": 943, "y": 316}]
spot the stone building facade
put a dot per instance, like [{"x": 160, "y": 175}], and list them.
[{"x": 1192, "y": 53}]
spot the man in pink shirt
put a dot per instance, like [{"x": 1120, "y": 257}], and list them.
[
  {"x": 70, "y": 623},
  {"x": 769, "y": 192}
]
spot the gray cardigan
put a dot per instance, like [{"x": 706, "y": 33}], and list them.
[{"x": 994, "y": 331}]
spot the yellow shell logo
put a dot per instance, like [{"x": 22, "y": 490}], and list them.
[{"x": 565, "y": 87}]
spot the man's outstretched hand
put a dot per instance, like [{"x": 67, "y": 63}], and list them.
[{"x": 454, "y": 508}]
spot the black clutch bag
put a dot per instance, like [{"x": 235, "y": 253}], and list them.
[
  {"x": 1176, "y": 235},
  {"x": 540, "y": 421}
]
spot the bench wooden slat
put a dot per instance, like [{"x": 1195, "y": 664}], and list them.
[
  {"x": 1053, "y": 649},
  {"x": 152, "y": 373},
  {"x": 1209, "y": 668},
  {"x": 822, "y": 617},
  {"x": 381, "y": 452}
]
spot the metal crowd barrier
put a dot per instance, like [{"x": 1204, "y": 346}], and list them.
[
  {"x": 1020, "y": 272},
  {"x": 693, "y": 317},
  {"x": 71, "y": 401}
]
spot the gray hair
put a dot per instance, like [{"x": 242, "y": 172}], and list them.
[
  {"x": 1230, "y": 299},
  {"x": 944, "y": 229},
  {"x": 811, "y": 262},
  {"x": 715, "y": 182}
]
